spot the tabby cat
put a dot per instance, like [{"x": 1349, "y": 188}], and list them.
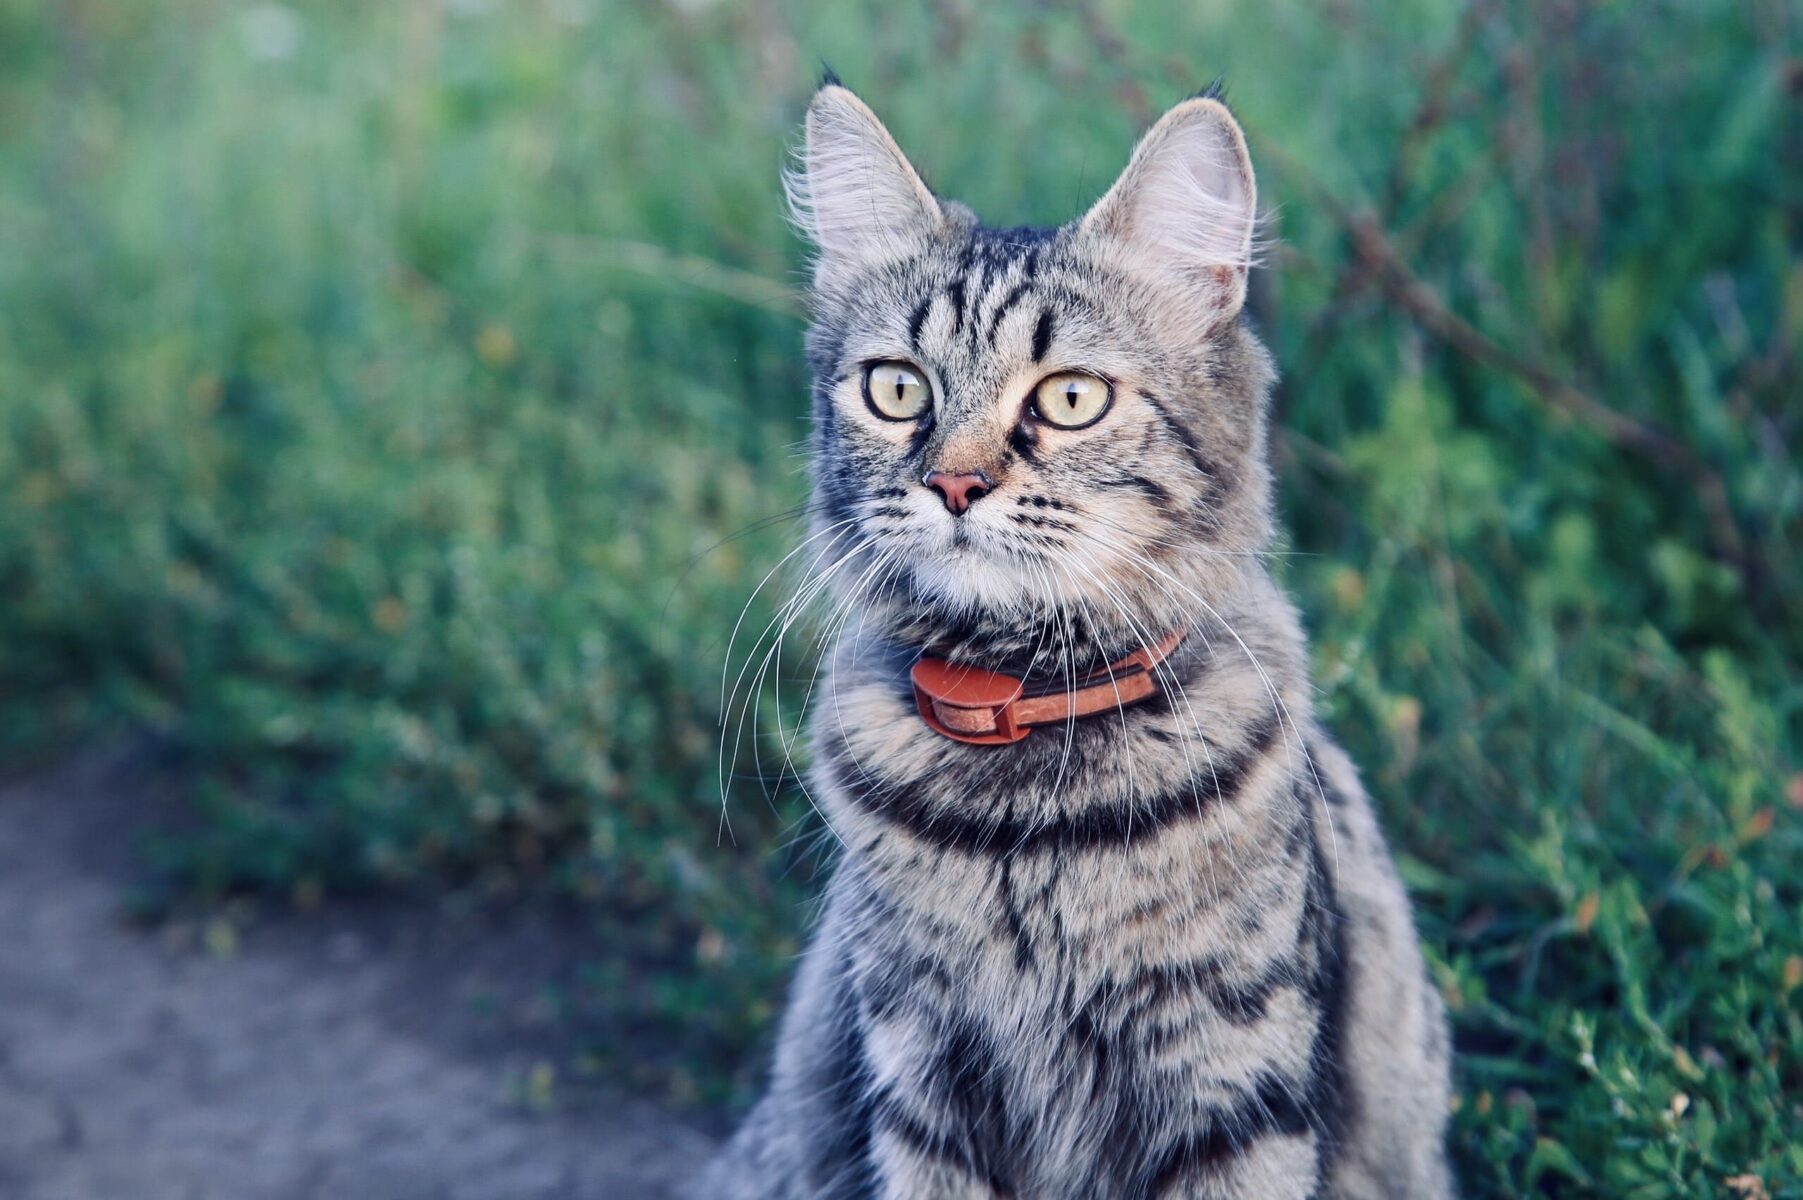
[{"x": 1157, "y": 950}]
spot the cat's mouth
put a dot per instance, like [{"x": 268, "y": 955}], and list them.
[{"x": 968, "y": 539}]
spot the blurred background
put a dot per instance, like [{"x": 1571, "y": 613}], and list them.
[{"x": 400, "y": 404}]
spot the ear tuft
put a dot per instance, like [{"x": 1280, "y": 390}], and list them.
[
  {"x": 853, "y": 193},
  {"x": 1186, "y": 205},
  {"x": 1216, "y": 90},
  {"x": 828, "y": 76}
]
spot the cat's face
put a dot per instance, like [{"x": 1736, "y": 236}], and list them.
[{"x": 1011, "y": 421}]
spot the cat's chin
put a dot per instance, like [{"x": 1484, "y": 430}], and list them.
[
  {"x": 968, "y": 578},
  {"x": 984, "y": 574}
]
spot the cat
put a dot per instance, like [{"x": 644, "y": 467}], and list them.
[{"x": 1158, "y": 949}]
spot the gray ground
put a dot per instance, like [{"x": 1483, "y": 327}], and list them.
[{"x": 367, "y": 1052}]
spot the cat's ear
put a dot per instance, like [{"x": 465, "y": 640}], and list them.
[
  {"x": 854, "y": 194},
  {"x": 1185, "y": 208}
]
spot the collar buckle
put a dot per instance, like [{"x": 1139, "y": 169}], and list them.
[{"x": 967, "y": 703}]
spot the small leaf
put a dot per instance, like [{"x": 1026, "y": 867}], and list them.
[
  {"x": 496, "y": 346},
  {"x": 1757, "y": 825},
  {"x": 221, "y": 939},
  {"x": 1585, "y": 916}
]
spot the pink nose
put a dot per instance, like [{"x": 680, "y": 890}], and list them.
[{"x": 959, "y": 491}]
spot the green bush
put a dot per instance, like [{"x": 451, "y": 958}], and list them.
[{"x": 399, "y": 403}]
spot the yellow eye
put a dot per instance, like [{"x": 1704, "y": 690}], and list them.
[
  {"x": 1071, "y": 400},
  {"x": 896, "y": 391}
]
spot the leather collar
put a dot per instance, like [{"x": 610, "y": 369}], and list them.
[{"x": 987, "y": 708}]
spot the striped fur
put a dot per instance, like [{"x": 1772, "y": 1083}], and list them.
[{"x": 1159, "y": 953}]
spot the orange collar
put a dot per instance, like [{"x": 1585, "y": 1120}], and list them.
[{"x": 988, "y": 708}]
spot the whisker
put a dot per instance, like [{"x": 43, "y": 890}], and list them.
[{"x": 815, "y": 582}]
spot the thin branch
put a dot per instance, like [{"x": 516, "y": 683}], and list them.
[
  {"x": 1435, "y": 105},
  {"x": 1408, "y": 292},
  {"x": 1432, "y": 109},
  {"x": 647, "y": 258}
]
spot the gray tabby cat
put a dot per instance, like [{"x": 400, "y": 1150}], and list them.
[{"x": 1159, "y": 951}]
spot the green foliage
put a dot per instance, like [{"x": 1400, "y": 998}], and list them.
[{"x": 378, "y": 384}]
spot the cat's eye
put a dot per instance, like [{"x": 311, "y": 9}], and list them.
[
  {"x": 896, "y": 391},
  {"x": 1071, "y": 400}
]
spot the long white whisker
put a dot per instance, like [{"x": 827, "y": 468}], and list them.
[{"x": 782, "y": 621}]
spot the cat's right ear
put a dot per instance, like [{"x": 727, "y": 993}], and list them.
[{"x": 853, "y": 193}]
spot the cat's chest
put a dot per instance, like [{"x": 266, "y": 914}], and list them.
[
  {"x": 1065, "y": 999},
  {"x": 1024, "y": 943},
  {"x": 1031, "y": 1020},
  {"x": 1020, "y": 915}
]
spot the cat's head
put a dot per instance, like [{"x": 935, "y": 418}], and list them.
[{"x": 1016, "y": 423}]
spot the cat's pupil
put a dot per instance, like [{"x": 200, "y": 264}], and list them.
[{"x": 1070, "y": 395}]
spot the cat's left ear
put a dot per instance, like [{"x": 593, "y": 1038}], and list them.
[{"x": 1185, "y": 208}]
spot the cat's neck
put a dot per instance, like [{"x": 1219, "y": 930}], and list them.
[{"x": 1060, "y": 642}]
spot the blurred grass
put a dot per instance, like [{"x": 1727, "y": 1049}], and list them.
[{"x": 394, "y": 400}]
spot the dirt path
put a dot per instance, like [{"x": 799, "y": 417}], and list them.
[{"x": 369, "y": 1053}]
